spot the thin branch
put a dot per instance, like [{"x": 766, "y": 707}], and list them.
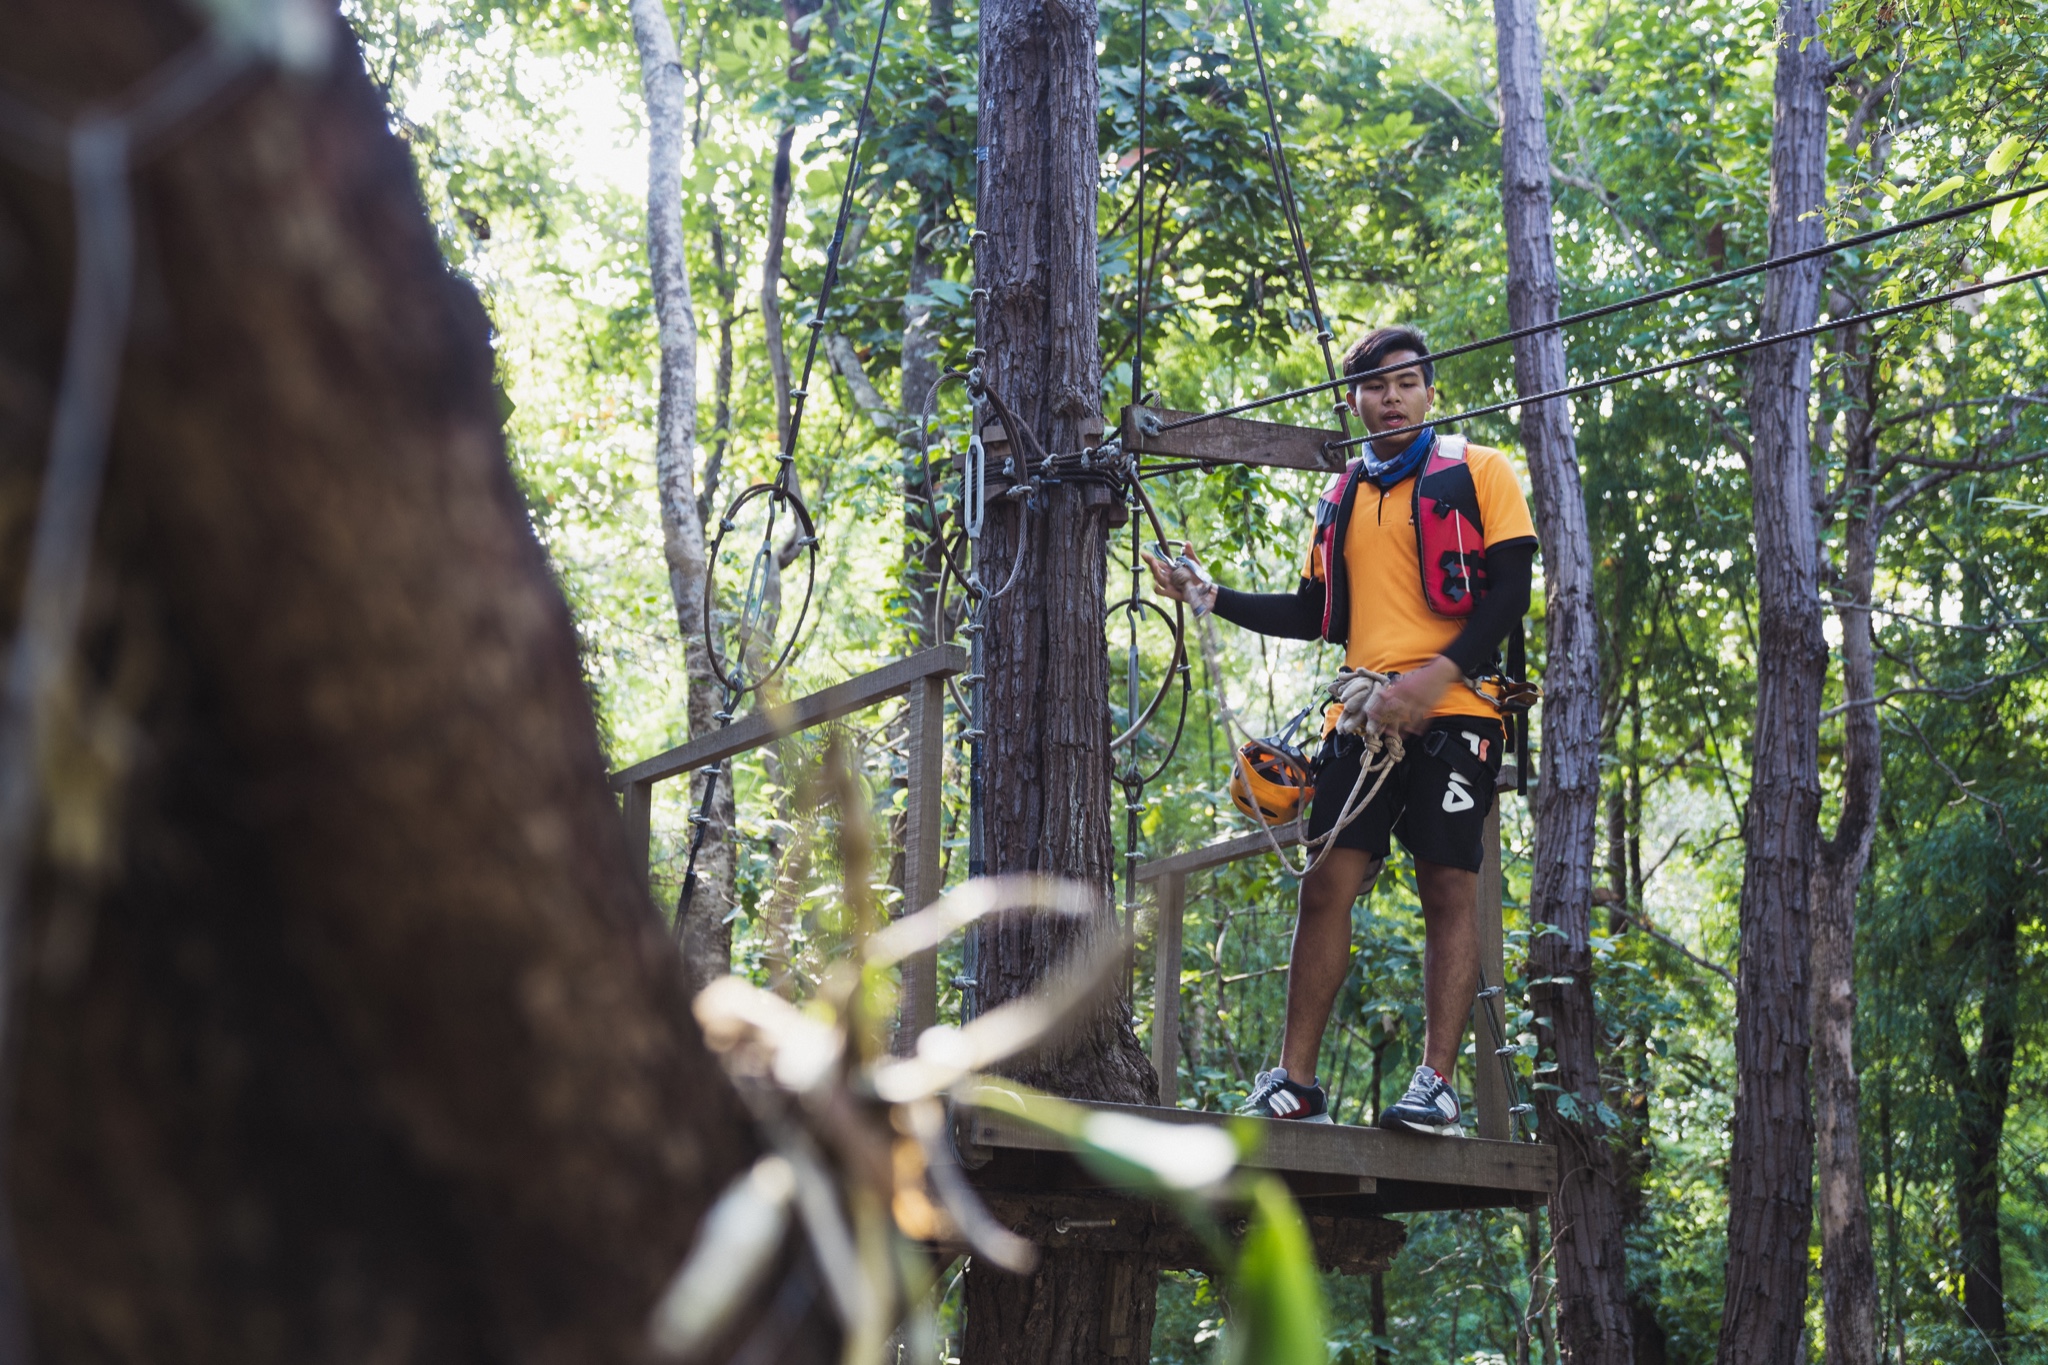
[
  {"x": 1945, "y": 693},
  {"x": 1654, "y": 932}
]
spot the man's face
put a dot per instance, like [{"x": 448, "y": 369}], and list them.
[{"x": 1399, "y": 399}]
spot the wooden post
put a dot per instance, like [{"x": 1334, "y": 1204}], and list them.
[
  {"x": 1489, "y": 1083},
  {"x": 636, "y": 807},
  {"x": 923, "y": 822},
  {"x": 1173, "y": 896}
]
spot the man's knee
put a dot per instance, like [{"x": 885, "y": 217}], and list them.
[{"x": 1338, "y": 881}]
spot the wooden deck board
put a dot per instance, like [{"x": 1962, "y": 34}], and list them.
[{"x": 1399, "y": 1167}]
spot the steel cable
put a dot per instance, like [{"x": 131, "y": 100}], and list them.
[{"x": 1623, "y": 305}]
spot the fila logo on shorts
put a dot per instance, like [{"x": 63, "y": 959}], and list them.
[{"x": 1458, "y": 795}]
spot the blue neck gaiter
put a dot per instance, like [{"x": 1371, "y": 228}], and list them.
[{"x": 1390, "y": 471}]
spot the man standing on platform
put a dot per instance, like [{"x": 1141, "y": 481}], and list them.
[{"x": 1420, "y": 568}]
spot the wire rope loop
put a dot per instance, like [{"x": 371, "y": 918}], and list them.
[
  {"x": 733, "y": 676},
  {"x": 1137, "y": 606}
]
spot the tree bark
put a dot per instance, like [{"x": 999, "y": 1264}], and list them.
[
  {"x": 1770, "y": 1164},
  {"x": 1848, "y": 1264},
  {"x": 1585, "y": 1213},
  {"x": 349, "y": 1032},
  {"x": 1983, "y": 1093},
  {"x": 1047, "y": 753},
  {"x": 701, "y": 926}
]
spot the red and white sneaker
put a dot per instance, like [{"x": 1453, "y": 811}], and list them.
[
  {"x": 1430, "y": 1106},
  {"x": 1275, "y": 1097}
]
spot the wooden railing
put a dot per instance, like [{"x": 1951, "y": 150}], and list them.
[
  {"x": 921, "y": 677},
  {"x": 1170, "y": 878}
]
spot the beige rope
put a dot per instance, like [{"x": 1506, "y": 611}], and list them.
[{"x": 1354, "y": 689}]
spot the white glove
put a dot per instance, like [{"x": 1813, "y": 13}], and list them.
[{"x": 1354, "y": 689}]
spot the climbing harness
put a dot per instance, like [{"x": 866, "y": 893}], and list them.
[{"x": 781, "y": 496}]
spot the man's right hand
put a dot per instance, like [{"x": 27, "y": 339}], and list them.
[{"x": 1181, "y": 580}]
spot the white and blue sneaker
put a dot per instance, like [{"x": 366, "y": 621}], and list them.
[
  {"x": 1430, "y": 1106},
  {"x": 1275, "y": 1097}
]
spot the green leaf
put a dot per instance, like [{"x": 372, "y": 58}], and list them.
[
  {"x": 2005, "y": 154},
  {"x": 1948, "y": 186},
  {"x": 1277, "y": 1294}
]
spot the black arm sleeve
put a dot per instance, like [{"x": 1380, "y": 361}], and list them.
[
  {"x": 1296, "y": 615},
  {"x": 1508, "y": 571}
]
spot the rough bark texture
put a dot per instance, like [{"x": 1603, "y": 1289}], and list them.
[
  {"x": 1983, "y": 1094},
  {"x": 1048, "y": 754},
  {"x": 1586, "y": 1219},
  {"x": 1848, "y": 1265},
  {"x": 701, "y": 927},
  {"x": 1770, "y": 1164},
  {"x": 349, "y": 1035}
]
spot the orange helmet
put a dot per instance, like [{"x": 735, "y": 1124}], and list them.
[{"x": 1270, "y": 780}]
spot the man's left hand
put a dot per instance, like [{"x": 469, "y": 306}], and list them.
[{"x": 1405, "y": 704}]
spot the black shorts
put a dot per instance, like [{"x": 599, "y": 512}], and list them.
[{"x": 1435, "y": 800}]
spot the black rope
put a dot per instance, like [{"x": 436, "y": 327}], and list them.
[
  {"x": 1636, "y": 301},
  {"x": 1278, "y": 154},
  {"x": 1144, "y": 276},
  {"x": 1740, "y": 348},
  {"x": 731, "y": 680},
  {"x": 817, "y": 324}
]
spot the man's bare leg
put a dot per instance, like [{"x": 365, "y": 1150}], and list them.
[
  {"x": 1321, "y": 957},
  {"x": 1450, "y": 959}
]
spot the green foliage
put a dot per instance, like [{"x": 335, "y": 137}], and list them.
[{"x": 524, "y": 120}]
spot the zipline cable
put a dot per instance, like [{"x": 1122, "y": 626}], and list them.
[
  {"x": 1623, "y": 305},
  {"x": 1278, "y": 154},
  {"x": 783, "y": 490},
  {"x": 1740, "y": 348},
  {"x": 1144, "y": 279}
]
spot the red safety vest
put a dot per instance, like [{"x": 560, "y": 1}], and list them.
[{"x": 1450, "y": 537}]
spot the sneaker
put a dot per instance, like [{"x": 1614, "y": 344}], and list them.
[
  {"x": 1275, "y": 1097},
  {"x": 1430, "y": 1106}
]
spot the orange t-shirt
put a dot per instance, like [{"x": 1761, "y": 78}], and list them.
[{"x": 1392, "y": 629}]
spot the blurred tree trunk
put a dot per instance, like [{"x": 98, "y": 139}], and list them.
[
  {"x": 701, "y": 927},
  {"x": 1047, "y": 753},
  {"x": 1848, "y": 1265},
  {"x": 1770, "y": 1165},
  {"x": 345, "y": 1030},
  {"x": 1585, "y": 1212}
]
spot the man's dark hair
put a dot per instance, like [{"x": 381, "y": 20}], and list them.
[{"x": 1370, "y": 351}]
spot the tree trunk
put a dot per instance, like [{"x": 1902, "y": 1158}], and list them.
[
  {"x": 1848, "y": 1265},
  {"x": 349, "y": 1032},
  {"x": 1047, "y": 754},
  {"x": 1770, "y": 1163},
  {"x": 1585, "y": 1213},
  {"x": 1983, "y": 1093},
  {"x": 701, "y": 926}
]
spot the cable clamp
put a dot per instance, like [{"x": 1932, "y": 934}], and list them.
[
  {"x": 1519, "y": 1109},
  {"x": 816, "y": 324},
  {"x": 799, "y": 393},
  {"x": 965, "y": 982},
  {"x": 977, "y": 295},
  {"x": 1507, "y": 1052},
  {"x": 1491, "y": 991},
  {"x": 976, "y": 237},
  {"x": 974, "y": 736},
  {"x": 722, "y": 717}
]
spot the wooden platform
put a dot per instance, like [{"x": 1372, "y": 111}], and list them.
[{"x": 1335, "y": 1167}]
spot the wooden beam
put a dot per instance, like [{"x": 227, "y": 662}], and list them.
[
  {"x": 636, "y": 808},
  {"x": 765, "y": 726},
  {"x": 1231, "y": 440},
  {"x": 923, "y": 820},
  {"x": 1138, "y": 1230},
  {"x": 1218, "y": 854},
  {"x": 1319, "y": 1148},
  {"x": 1173, "y": 897}
]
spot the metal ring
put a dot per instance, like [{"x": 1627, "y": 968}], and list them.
[
  {"x": 777, "y": 495},
  {"x": 1137, "y": 604}
]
